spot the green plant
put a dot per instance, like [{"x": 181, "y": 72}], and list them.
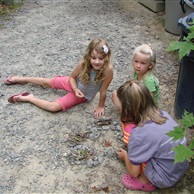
[
  {"x": 183, "y": 152},
  {"x": 4, "y": 10},
  {"x": 183, "y": 47},
  {"x": 6, "y": 7}
]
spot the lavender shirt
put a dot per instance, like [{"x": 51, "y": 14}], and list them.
[{"x": 151, "y": 144}]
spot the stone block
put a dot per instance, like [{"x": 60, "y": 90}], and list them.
[{"x": 154, "y": 5}]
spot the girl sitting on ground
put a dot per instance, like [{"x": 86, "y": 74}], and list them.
[{"x": 93, "y": 74}]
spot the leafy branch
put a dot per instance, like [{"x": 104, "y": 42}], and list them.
[
  {"x": 183, "y": 152},
  {"x": 183, "y": 47}
]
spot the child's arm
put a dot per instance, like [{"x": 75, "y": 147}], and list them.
[
  {"x": 134, "y": 170},
  {"x": 99, "y": 111},
  {"x": 75, "y": 73}
]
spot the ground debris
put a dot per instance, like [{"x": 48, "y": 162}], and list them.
[
  {"x": 105, "y": 189},
  {"x": 103, "y": 121}
]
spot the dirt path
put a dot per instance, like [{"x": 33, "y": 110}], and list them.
[{"x": 67, "y": 152}]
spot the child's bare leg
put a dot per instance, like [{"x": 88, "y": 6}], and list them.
[
  {"x": 143, "y": 178},
  {"x": 115, "y": 100},
  {"x": 43, "y": 104},
  {"x": 45, "y": 82}
]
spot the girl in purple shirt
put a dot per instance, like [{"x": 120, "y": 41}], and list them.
[{"x": 150, "y": 159}]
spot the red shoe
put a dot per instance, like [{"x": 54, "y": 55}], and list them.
[
  {"x": 134, "y": 183},
  {"x": 15, "y": 97}
]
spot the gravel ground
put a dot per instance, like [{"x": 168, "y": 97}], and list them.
[{"x": 69, "y": 152}]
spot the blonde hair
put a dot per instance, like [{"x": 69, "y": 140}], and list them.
[
  {"x": 149, "y": 52},
  {"x": 98, "y": 46},
  {"x": 137, "y": 104}
]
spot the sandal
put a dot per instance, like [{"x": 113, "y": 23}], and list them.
[
  {"x": 9, "y": 81},
  {"x": 126, "y": 177},
  {"x": 15, "y": 97},
  {"x": 134, "y": 183}
]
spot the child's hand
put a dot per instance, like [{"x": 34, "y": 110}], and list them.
[
  {"x": 78, "y": 93},
  {"x": 98, "y": 112},
  {"x": 122, "y": 154}
]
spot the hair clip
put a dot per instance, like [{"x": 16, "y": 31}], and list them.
[{"x": 105, "y": 49}]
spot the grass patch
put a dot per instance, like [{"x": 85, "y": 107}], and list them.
[{"x": 6, "y": 9}]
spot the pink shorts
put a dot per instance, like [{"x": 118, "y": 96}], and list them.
[{"x": 69, "y": 100}]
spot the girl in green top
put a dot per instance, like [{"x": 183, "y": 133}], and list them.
[{"x": 144, "y": 60}]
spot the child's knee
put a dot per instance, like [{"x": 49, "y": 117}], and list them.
[
  {"x": 54, "y": 107},
  {"x": 46, "y": 82},
  {"x": 115, "y": 100},
  {"x": 114, "y": 96}
]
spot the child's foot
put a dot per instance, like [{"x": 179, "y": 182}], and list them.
[
  {"x": 19, "y": 97},
  {"x": 12, "y": 80}
]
